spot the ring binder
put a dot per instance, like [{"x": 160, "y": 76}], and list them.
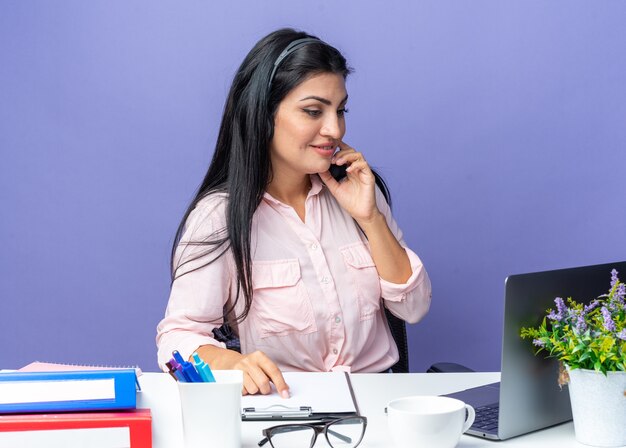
[
  {"x": 68, "y": 391},
  {"x": 276, "y": 411}
]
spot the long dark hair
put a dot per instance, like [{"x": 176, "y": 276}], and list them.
[{"x": 241, "y": 167}]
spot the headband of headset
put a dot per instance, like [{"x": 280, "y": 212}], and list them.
[{"x": 293, "y": 46}]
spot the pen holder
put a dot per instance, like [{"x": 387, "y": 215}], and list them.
[{"x": 212, "y": 411}]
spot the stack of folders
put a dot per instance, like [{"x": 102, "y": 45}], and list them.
[{"x": 73, "y": 408}]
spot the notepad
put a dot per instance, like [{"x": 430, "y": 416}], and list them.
[
  {"x": 314, "y": 395},
  {"x": 38, "y": 366}
]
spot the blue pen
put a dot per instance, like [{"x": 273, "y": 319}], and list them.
[
  {"x": 203, "y": 369},
  {"x": 188, "y": 369}
]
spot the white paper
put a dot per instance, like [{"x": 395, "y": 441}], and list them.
[
  {"x": 66, "y": 438},
  {"x": 13, "y": 392},
  {"x": 324, "y": 392}
]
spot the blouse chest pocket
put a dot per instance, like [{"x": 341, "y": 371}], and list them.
[
  {"x": 280, "y": 303},
  {"x": 364, "y": 277}
]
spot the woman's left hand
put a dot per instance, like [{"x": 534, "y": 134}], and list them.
[{"x": 356, "y": 193}]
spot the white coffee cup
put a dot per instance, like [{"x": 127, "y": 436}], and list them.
[{"x": 428, "y": 421}]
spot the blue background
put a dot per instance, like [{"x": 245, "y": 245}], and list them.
[{"x": 500, "y": 127}]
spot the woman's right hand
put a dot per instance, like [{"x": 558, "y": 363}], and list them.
[{"x": 258, "y": 369}]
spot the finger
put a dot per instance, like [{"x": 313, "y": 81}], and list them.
[
  {"x": 348, "y": 157},
  {"x": 343, "y": 150},
  {"x": 277, "y": 378},
  {"x": 358, "y": 166},
  {"x": 329, "y": 180},
  {"x": 270, "y": 370},
  {"x": 342, "y": 156},
  {"x": 260, "y": 379},
  {"x": 249, "y": 386},
  {"x": 343, "y": 145},
  {"x": 325, "y": 176}
]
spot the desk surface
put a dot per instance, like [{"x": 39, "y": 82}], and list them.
[{"x": 373, "y": 392}]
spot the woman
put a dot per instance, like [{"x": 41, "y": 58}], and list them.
[{"x": 297, "y": 258}]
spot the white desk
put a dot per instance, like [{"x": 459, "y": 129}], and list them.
[{"x": 373, "y": 392}]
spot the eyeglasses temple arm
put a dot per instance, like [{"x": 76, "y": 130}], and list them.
[{"x": 340, "y": 436}]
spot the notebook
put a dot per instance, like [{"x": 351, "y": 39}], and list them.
[
  {"x": 528, "y": 397},
  {"x": 39, "y": 366}
]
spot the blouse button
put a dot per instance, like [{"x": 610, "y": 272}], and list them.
[
  {"x": 335, "y": 351},
  {"x": 337, "y": 319},
  {"x": 325, "y": 280}
]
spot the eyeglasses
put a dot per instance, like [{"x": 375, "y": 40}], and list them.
[{"x": 340, "y": 433}]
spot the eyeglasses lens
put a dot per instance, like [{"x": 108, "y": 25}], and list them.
[
  {"x": 292, "y": 436},
  {"x": 346, "y": 433}
]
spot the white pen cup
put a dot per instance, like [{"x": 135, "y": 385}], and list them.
[
  {"x": 212, "y": 411},
  {"x": 429, "y": 421}
]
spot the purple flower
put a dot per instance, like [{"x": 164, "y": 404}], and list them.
[
  {"x": 614, "y": 278},
  {"x": 620, "y": 292},
  {"x": 609, "y": 325},
  {"x": 620, "y": 289},
  {"x": 580, "y": 326},
  {"x": 591, "y": 306},
  {"x": 622, "y": 335},
  {"x": 560, "y": 308},
  {"x": 539, "y": 343}
]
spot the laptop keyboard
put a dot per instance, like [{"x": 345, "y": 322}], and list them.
[{"x": 486, "y": 418}]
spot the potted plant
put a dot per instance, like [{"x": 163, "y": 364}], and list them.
[{"x": 590, "y": 343}]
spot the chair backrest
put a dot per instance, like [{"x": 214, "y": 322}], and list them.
[{"x": 398, "y": 331}]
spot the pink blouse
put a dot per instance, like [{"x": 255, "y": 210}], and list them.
[{"x": 317, "y": 295}]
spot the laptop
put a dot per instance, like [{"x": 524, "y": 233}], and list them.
[{"x": 528, "y": 397}]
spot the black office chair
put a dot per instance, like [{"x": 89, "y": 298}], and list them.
[
  {"x": 448, "y": 367},
  {"x": 398, "y": 331},
  {"x": 397, "y": 326}
]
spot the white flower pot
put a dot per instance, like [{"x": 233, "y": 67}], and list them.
[{"x": 598, "y": 406}]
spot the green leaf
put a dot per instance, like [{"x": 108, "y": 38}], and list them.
[
  {"x": 596, "y": 348},
  {"x": 607, "y": 344}
]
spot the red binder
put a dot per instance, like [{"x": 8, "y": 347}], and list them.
[{"x": 72, "y": 429}]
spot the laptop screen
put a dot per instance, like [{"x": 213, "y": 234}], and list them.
[{"x": 530, "y": 397}]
